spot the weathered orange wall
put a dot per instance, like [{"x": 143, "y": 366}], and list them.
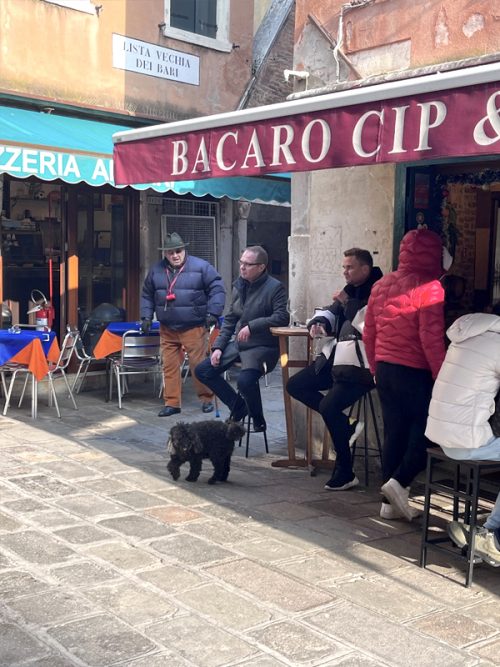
[
  {"x": 439, "y": 30},
  {"x": 50, "y": 51}
]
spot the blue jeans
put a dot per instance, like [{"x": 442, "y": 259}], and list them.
[{"x": 488, "y": 452}]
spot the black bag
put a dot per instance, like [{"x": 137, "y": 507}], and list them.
[{"x": 495, "y": 417}]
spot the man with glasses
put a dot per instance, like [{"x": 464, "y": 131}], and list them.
[
  {"x": 188, "y": 296},
  {"x": 258, "y": 303}
]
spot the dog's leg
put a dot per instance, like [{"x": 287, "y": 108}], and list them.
[
  {"x": 194, "y": 468},
  {"x": 174, "y": 467},
  {"x": 218, "y": 461},
  {"x": 226, "y": 468}
]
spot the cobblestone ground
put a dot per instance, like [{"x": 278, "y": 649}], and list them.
[{"x": 105, "y": 560}]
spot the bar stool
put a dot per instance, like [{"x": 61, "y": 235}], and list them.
[
  {"x": 364, "y": 410},
  {"x": 247, "y": 423},
  {"x": 464, "y": 488}
]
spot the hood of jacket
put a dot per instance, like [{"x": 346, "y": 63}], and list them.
[
  {"x": 421, "y": 252},
  {"x": 473, "y": 324}
]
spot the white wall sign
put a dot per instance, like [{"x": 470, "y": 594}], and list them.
[{"x": 135, "y": 55}]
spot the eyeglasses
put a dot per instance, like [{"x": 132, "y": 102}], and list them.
[{"x": 245, "y": 264}]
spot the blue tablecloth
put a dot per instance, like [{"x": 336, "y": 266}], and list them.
[
  {"x": 12, "y": 343},
  {"x": 119, "y": 328}
]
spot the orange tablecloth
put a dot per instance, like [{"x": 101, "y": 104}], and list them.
[
  {"x": 108, "y": 343},
  {"x": 34, "y": 357}
]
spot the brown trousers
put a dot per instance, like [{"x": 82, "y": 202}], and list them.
[{"x": 172, "y": 347}]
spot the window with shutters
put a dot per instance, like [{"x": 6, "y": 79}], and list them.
[{"x": 203, "y": 22}]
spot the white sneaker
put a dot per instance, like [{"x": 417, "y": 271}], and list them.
[
  {"x": 459, "y": 533},
  {"x": 390, "y": 513},
  {"x": 486, "y": 547},
  {"x": 397, "y": 495},
  {"x": 358, "y": 430}
]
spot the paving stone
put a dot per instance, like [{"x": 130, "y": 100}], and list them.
[
  {"x": 404, "y": 601},
  {"x": 354, "y": 660},
  {"x": 131, "y": 602},
  {"x": 53, "y": 519},
  {"x": 191, "y": 550},
  {"x": 32, "y": 455},
  {"x": 297, "y": 643},
  {"x": 487, "y": 612},
  {"x": 392, "y": 642},
  {"x": 108, "y": 486},
  {"x": 101, "y": 640},
  {"x": 25, "y": 505},
  {"x": 50, "y": 607},
  {"x": 88, "y": 506},
  {"x": 16, "y": 583},
  {"x": 200, "y": 642},
  {"x": 221, "y": 532},
  {"x": 69, "y": 470},
  {"x": 270, "y": 586},
  {"x": 137, "y": 499},
  {"x": 7, "y": 493},
  {"x": 145, "y": 482},
  {"x": 489, "y": 651},
  {"x": 17, "y": 646},
  {"x": 80, "y": 574},
  {"x": 319, "y": 569},
  {"x": 454, "y": 628},
  {"x": 172, "y": 578},
  {"x": 261, "y": 660},
  {"x": 35, "y": 547},
  {"x": 136, "y": 526},
  {"x": 123, "y": 556},
  {"x": 4, "y": 562},
  {"x": 225, "y": 608},
  {"x": 84, "y": 534},
  {"x": 163, "y": 659},
  {"x": 343, "y": 509},
  {"x": 53, "y": 661},
  {"x": 268, "y": 550},
  {"x": 173, "y": 514},
  {"x": 8, "y": 524},
  {"x": 43, "y": 486}
]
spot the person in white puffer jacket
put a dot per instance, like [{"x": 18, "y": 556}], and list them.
[{"x": 463, "y": 401}]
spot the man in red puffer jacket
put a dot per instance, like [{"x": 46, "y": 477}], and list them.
[{"x": 404, "y": 336}]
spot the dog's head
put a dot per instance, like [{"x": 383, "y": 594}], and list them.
[
  {"x": 183, "y": 442},
  {"x": 234, "y": 430}
]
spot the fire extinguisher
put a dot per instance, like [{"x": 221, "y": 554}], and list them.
[{"x": 43, "y": 309}]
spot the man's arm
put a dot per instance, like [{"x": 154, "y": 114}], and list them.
[
  {"x": 147, "y": 305},
  {"x": 431, "y": 327},
  {"x": 215, "y": 291}
]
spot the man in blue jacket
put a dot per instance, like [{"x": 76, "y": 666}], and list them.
[
  {"x": 258, "y": 303},
  {"x": 188, "y": 296}
]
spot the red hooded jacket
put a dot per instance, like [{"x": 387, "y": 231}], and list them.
[{"x": 405, "y": 315}]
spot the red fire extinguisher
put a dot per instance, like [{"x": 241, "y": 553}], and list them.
[{"x": 43, "y": 309}]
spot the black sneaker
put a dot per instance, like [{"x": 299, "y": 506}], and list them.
[
  {"x": 207, "y": 407},
  {"x": 341, "y": 481}
]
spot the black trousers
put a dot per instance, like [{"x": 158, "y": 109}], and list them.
[
  {"x": 405, "y": 394},
  {"x": 306, "y": 386}
]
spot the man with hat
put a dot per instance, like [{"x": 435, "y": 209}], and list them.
[{"x": 188, "y": 296}]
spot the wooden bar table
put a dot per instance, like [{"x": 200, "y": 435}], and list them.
[{"x": 284, "y": 334}]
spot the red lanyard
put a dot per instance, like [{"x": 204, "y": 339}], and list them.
[{"x": 170, "y": 292}]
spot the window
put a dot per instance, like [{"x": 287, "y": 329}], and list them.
[{"x": 203, "y": 22}]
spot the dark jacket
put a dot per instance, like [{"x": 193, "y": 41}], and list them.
[
  {"x": 260, "y": 305},
  {"x": 337, "y": 320},
  {"x": 198, "y": 289}
]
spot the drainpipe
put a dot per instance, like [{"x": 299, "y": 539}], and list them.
[{"x": 354, "y": 4}]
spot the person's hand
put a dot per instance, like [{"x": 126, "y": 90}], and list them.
[
  {"x": 243, "y": 334},
  {"x": 317, "y": 331},
  {"x": 215, "y": 357},
  {"x": 145, "y": 325},
  {"x": 211, "y": 321}
]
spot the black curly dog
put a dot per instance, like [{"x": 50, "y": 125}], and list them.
[{"x": 194, "y": 442}]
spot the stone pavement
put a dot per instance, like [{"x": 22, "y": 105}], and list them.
[{"x": 104, "y": 560}]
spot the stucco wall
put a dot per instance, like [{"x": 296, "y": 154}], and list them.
[{"x": 65, "y": 55}]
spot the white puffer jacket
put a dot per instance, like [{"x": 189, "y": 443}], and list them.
[{"x": 463, "y": 398}]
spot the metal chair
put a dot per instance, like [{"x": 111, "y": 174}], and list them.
[
  {"x": 84, "y": 357},
  {"x": 139, "y": 355},
  {"x": 57, "y": 369}
]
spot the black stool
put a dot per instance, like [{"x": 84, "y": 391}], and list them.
[
  {"x": 464, "y": 488},
  {"x": 247, "y": 423},
  {"x": 363, "y": 410}
]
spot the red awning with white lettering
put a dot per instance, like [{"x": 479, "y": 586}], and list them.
[{"x": 451, "y": 114}]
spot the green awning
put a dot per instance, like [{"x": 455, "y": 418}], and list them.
[{"x": 50, "y": 147}]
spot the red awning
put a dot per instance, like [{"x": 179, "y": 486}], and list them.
[{"x": 440, "y": 115}]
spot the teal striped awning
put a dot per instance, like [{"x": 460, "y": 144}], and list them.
[{"x": 76, "y": 150}]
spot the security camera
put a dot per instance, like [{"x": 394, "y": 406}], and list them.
[{"x": 297, "y": 74}]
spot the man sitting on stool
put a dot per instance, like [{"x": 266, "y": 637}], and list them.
[
  {"x": 258, "y": 303},
  {"x": 345, "y": 384},
  {"x": 463, "y": 400}
]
